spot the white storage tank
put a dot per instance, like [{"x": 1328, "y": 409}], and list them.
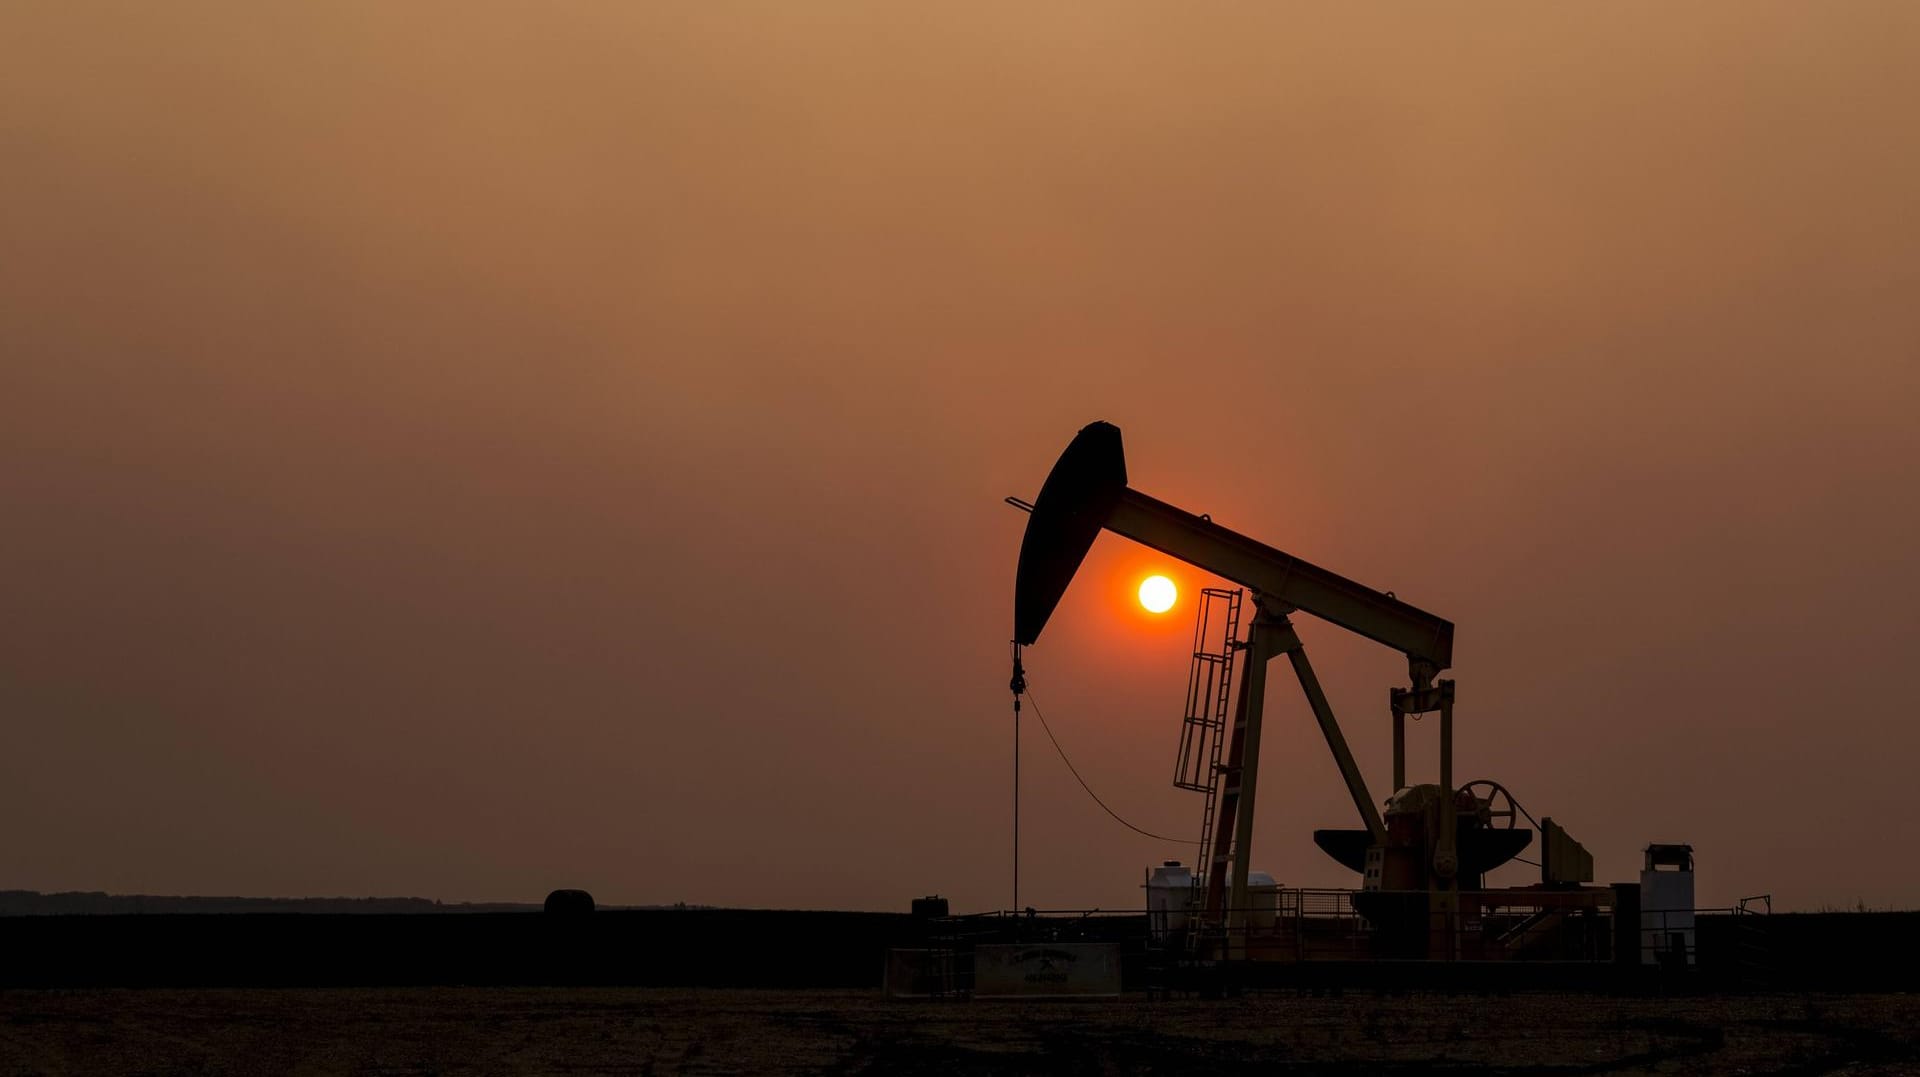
[
  {"x": 1263, "y": 901},
  {"x": 1170, "y": 890},
  {"x": 1666, "y": 906}
]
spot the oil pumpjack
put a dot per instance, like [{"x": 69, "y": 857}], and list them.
[{"x": 1434, "y": 840}]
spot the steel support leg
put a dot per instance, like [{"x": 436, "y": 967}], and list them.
[
  {"x": 1289, "y": 642},
  {"x": 1447, "y": 895},
  {"x": 1399, "y": 751},
  {"x": 1254, "y": 686},
  {"x": 1246, "y": 715}
]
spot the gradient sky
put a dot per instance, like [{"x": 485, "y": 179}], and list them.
[{"x": 463, "y": 449}]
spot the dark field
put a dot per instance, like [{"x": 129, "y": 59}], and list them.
[{"x": 690, "y": 1031}]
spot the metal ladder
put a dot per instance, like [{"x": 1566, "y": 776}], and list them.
[{"x": 1216, "y": 634}]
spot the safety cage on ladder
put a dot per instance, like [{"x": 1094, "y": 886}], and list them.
[{"x": 1209, "y": 702}]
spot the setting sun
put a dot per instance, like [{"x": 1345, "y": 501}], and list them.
[{"x": 1157, "y": 594}]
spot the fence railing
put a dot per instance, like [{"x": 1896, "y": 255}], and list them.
[
  {"x": 1541, "y": 929},
  {"x": 1576, "y": 925}
]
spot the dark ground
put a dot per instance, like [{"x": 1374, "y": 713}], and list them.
[
  {"x": 780, "y": 949},
  {"x": 713, "y": 1031}
]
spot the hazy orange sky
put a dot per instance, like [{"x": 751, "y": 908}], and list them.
[{"x": 464, "y": 449}]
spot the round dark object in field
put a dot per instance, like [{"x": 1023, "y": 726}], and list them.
[
  {"x": 932, "y": 907},
  {"x": 569, "y": 902}
]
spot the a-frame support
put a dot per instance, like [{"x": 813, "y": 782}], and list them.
[{"x": 1270, "y": 636}]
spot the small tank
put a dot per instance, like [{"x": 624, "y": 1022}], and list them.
[
  {"x": 1169, "y": 898},
  {"x": 1263, "y": 901}
]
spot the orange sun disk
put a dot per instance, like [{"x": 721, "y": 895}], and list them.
[{"x": 1157, "y": 594}]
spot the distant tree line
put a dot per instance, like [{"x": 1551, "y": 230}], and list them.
[{"x": 96, "y": 903}]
